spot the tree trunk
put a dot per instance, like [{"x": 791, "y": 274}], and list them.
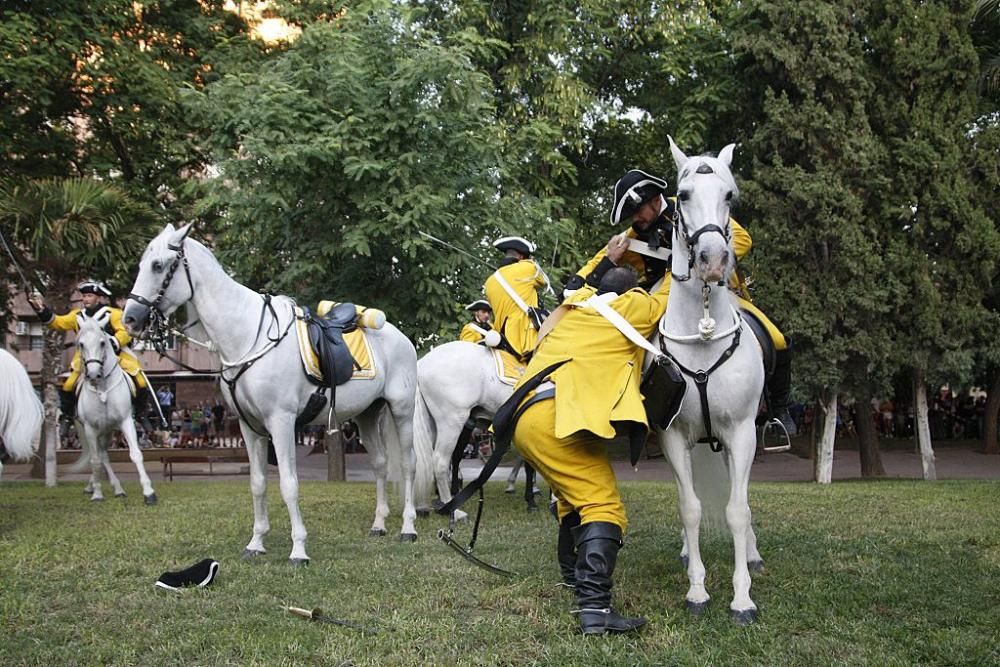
[
  {"x": 992, "y": 416},
  {"x": 44, "y": 466},
  {"x": 823, "y": 462},
  {"x": 923, "y": 425},
  {"x": 871, "y": 457}
]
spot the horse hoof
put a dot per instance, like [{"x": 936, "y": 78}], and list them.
[
  {"x": 684, "y": 562},
  {"x": 97, "y": 500},
  {"x": 298, "y": 562},
  {"x": 696, "y": 608},
  {"x": 509, "y": 489},
  {"x": 376, "y": 532},
  {"x": 120, "y": 495},
  {"x": 532, "y": 508},
  {"x": 407, "y": 537},
  {"x": 743, "y": 617},
  {"x": 423, "y": 512},
  {"x": 250, "y": 554},
  {"x": 756, "y": 565},
  {"x": 151, "y": 499}
]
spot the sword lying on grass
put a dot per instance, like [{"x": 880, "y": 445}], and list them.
[{"x": 318, "y": 616}]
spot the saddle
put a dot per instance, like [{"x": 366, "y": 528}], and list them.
[
  {"x": 326, "y": 336},
  {"x": 764, "y": 338}
]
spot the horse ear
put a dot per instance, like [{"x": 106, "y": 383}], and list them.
[
  {"x": 180, "y": 234},
  {"x": 726, "y": 154},
  {"x": 679, "y": 157},
  {"x": 103, "y": 317}
]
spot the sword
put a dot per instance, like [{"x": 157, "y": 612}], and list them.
[
  {"x": 28, "y": 286},
  {"x": 456, "y": 249},
  {"x": 318, "y": 616},
  {"x": 466, "y": 552}
]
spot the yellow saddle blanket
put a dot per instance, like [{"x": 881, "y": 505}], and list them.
[
  {"x": 357, "y": 343},
  {"x": 509, "y": 369}
]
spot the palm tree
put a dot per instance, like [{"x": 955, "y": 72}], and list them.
[
  {"x": 985, "y": 31},
  {"x": 65, "y": 229}
]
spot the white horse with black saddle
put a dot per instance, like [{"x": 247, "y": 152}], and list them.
[
  {"x": 454, "y": 380},
  {"x": 264, "y": 382},
  {"x": 21, "y": 412},
  {"x": 104, "y": 406},
  {"x": 711, "y": 442}
]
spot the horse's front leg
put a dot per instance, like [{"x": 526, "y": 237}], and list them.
[
  {"x": 116, "y": 484},
  {"x": 403, "y": 423},
  {"x": 257, "y": 454},
  {"x": 91, "y": 439},
  {"x": 135, "y": 454},
  {"x": 675, "y": 448},
  {"x": 282, "y": 429},
  {"x": 741, "y": 453}
]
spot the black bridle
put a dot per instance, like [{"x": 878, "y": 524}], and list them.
[
  {"x": 157, "y": 327},
  {"x": 691, "y": 240}
]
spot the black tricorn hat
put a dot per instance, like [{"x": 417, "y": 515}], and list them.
[
  {"x": 523, "y": 246},
  {"x": 93, "y": 287},
  {"x": 632, "y": 191},
  {"x": 480, "y": 304}
]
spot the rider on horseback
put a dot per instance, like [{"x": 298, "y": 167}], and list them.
[
  {"x": 640, "y": 197},
  {"x": 513, "y": 293},
  {"x": 478, "y": 330},
  {"x": 95, "y": 297}
]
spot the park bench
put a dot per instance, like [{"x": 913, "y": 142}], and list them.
[{"x": 211, "y": 458}]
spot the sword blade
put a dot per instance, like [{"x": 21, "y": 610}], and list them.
[
  {"x": 468, "y": 555},
  {"x": 450, "y": 246}
]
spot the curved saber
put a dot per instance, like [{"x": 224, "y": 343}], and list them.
[
  {"x": 445, "y": 536},
  {"x": 456, "y": 249}
]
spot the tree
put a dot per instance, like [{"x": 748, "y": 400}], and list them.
[{"x": 66, "y": 229}]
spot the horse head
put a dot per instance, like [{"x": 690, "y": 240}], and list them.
[
  {"x": 702, "y": 230},
  {"x": 94, "y": 346},
  {"x": 157, "y": 287}
]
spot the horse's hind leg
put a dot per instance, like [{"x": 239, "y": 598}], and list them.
[
  {"x": 529, "y": 487},
  {"x": 116, "y": 484},
  {"x": 92, "y": 439},
  {"x": 512, "y": 477},
  {"x": 368, "y": 427},
  {"x": 257, "y": 454},
  {"x": 135, "y": 454},
  {"x": 675, "y": 449},
  {"x": 741, "y": 453},
  {"x": 449, "y": 433}
]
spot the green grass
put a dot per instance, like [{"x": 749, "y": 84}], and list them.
[{"x": 885, "y": 573}]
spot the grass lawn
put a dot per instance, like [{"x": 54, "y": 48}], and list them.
[{"x": 881, "y": 573}]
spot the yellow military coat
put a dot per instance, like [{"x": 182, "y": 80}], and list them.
[
  {"x": 599, "y": 386},
  {"x": 469, "y": 333},
  {"x": 526, "y": 278},
  {"x": 128, "y": 362}
]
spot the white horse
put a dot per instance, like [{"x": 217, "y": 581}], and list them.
[
  {"x": 21, "y": 412},
  {"x": 105, "y": 406},
  {"x": 264, "y": 383},
  {"x": 704, "y": 333},
  {"x": 454, "y": 380}
]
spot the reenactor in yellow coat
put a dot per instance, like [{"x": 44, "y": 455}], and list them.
[
  {"x": 595, "y": 396},
  {"x": 639, "y": 197},
  {"x": 476, "y": 330},
  {"x": 95, "y": 297},
  {"x": 512, "y": 291}
]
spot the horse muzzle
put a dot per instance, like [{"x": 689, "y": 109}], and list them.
[{"x": 135, "y": 317}]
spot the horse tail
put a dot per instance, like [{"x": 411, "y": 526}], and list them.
[
  {"x": 424, "y": 434},
  {"x": 710, "y": 472},
  {"x": 21, "y": 412}
]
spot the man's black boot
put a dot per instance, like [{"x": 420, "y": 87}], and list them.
[
  {"x": 597, "y": 545},
  {"x": 566, "y": 549},
  {"x": 779, "y": 388},
  {"x": 67, "y": 405}
]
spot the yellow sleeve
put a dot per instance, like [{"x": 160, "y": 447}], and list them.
[
  {"x": 589, "y": 267},
  {"x": 469, "y": 335},
  {"x": 121, "y": 335},
  {"x": 65, "y": 322},
  {"x": 642, "y": 310},
  {"x": 741, "y": 240}
]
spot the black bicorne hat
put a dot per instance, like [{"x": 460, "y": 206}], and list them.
[
  {"x": 523, "y": 246},
  {"x": 93, "y": 287},
  {"x": 480, "y": 304},
  {"x": 632, "y": 191}
]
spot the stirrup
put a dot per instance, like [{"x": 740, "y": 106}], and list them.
[{"x": 782, "y": 434}]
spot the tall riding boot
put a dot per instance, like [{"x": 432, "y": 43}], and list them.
[
  {"x": 597, "y": 545},
  {"x": 566, "y": 549},
  {"x": 779, "y": 388},
  {"x": 67, "y": 405}
]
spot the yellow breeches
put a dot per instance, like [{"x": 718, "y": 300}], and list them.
[
  {"x": 777, "y": 337},
  {"x": 126, "y": 360},
  {"x": 577, "y": 468}
]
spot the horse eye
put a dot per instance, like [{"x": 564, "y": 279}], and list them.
[
  {"x": 103, "y": 343},
  {"x": 157, "y": 266},
  {"x": 729, "y": 196},
  {"x": 684, "y": 195}
]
